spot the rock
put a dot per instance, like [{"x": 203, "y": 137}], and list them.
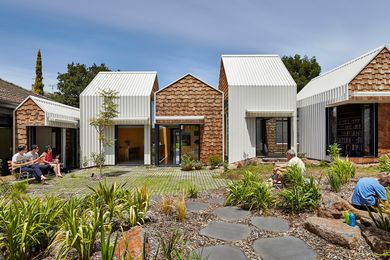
[
  {"x": 333, "y": 206},
  {"x": 132, "y": 242},
  {"x": 226, "y": 231},
  {"x": 290, "y": 248},
  {"x": 194, "y": 206},
  {"x": 232, "y": 166},
  {"x": 217, "y": 200},
  {"x": 231, "y": 213},
  {"x": 220, "y": 252},
  {"x": 270, "y": 224},
  {"x": 377, "y": 239},
  {"x": 334, "y": 231}
]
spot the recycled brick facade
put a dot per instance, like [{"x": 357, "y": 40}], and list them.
[
  {"x": 28, "y": 114},
  {"x": 273, "y": 147},
  {"x": 223, "y": 84},
  {"x": 383, "y": 129},
  {"x": 190, "y": 96}
]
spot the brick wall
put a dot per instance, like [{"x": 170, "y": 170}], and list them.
[
  {"x": 375, "y": 77},
  {"x": 383, "y": 129},
  {"x": 223, "y": 85},
  {"x": 273, "y": 147},
  {"x": 29, "y": 114},
  {"x": 191, "y": 97}
]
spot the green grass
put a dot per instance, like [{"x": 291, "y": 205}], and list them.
[{"x": 159, "y": 180}]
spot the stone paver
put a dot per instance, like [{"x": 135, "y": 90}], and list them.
[
  {"x": 226, "y": 231},
  {"x": 231, "y": 213},
  {"x": 270, "y": 224},
  {"x": 216, "y": 200},
  {"x": 290, "y": 248},
  {"x": 196, "y": 206},
  {"x": 221, "y": 252}
]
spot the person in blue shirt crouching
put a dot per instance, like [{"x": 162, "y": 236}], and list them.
[{"x": 368, "y": 192}]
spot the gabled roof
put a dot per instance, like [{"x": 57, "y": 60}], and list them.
[
  {"x": 339, "y": 76},
  {"x": 126, "y": 83},
  {"x": 182, "y": 77},
  {"x": 12, "y": 93},
  {"x": 256, "y": 70},
  {"x": 54, "y": 108}
]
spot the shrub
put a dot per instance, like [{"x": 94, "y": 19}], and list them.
[
  {"x": 384, "y": 163},
  {"x": 249, "y": 193},
  {"x": 187, "y": 163},
  {"x": 181, "y": 208},
  {"x": 382, "y": 218},
  {"x": 300, "y": 198},
  {"x": 107, "y": 247},
  {"x": 344, "y": 169},
  {"x": 334, "y": 151},
  {"x": 198, "y": 165},
  {"x": 324, "y": 164},
  {"x": 215, "y": 161},
  {"x": 193, "y": 191},
  {"x": 20, "y": 187},
  {"x": 334, "y": 181},
  {"x": 293, "y": 176},
  {"x": 167, "y": 205}
]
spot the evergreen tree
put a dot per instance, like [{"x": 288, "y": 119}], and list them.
[
  {"x": 302, "y": 69},
  {"x": 38, "y": 84}
]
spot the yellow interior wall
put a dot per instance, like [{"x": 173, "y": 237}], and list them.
[{"x": 136, "y": 138}]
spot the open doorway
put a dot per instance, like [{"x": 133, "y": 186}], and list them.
[{"x": 130, "y": 144}]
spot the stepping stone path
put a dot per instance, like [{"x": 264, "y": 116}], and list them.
[
  {"x": 226, "y": 231},
  {"x": 270, "y": 224},
  {"x": 217, "y": 200},
  {"x": 231, "y": 213},
  {"x": 290, "y": 248},
  {"x": 196, "y": 206},
  {"x": 224, "y": 252}
]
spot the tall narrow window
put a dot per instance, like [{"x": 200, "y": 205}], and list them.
[{"x": 260, "y": 137}]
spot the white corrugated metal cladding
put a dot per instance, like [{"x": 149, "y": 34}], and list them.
[
  {"x": 259, "y": 84},
  {"x": 323, "y": 91},
  {"x": 134, "y": 106}
]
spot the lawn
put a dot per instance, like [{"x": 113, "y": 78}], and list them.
[{"x": 159, "y": 180}]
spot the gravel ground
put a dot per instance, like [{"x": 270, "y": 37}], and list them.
[{"x": 163, "y": 225}]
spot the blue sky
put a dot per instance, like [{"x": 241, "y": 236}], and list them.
[{"x": 175, "y": 37}]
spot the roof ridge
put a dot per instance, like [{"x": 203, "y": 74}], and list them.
[
  {"x": 350, "y": 62},
  {"x": 250, "y": 55},
  {"x": 52, "y": 101},
  {"x": 128, "y": 72}
]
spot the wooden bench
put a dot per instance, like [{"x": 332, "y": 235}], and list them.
[{"x": 19, "y": 174}]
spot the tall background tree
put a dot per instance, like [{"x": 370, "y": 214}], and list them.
[
  {"x": 302, "y": 69},
  {"x": 38, "y": 84},
  {"x": 74, "y": 81}
]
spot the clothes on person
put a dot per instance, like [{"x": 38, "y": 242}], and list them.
[
  {"x": 367, "y": 192},
  {"x": 48, "y": 159},
  {"x": 296, "y": 161},
  {"x": 31, "y": 156},
  {"x": 20, "y": 162}
]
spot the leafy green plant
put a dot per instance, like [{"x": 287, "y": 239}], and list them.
[
  {"x": 249, "y": 193},
  {"x": 215, "y": 161},
  {"x": 198, "y": 165},
  {"x": 384, "y": 163},
  {"x": 324, "y": 164},
  {"x": 334, "y": 181},
  {"x": 303, "y": 197},
  {"x": 334, "y": 151},
  {"x": 20, "y": 187},
  {"x": 193, "y": 191},
  {"x": 187, "y": 163},
  {"x": 107, "y": 247},
  {"x": 343, "y": 168},
  {"x": 293, "y": 176},
  {"x": 382, "y": 218}
]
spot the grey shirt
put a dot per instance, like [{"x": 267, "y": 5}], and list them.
[
  {"x": 18, "y": 158},
  {"x": 30, "y": 156}
]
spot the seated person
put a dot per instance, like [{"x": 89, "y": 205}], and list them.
[
  {"x": 48, "y": 159},
  {"x": 368, "y": 191},
  {"x": 33, "y": 155},
  {"x": 19, "y": 161},
  {"x": 292, "y": 160}
]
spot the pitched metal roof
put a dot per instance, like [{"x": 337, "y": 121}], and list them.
[
  {"x": 339, "y": 76},
  {"x": 126, "y": 83},
  {"x": 256, "y": 70},
  {"x": 12, "y": 93}
]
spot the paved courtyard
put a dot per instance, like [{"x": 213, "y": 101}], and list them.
[{"x": 159, "y": 180}]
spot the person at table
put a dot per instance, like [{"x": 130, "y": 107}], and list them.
[
  {"x": 48, "y": 159},
  {"x": 20, "y": 162},
  {"x": 368, "y": 192},
  {"x": 33, "y": 155}
]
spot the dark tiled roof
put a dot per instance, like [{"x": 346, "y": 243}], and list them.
[{"x": 12, "y": 93}]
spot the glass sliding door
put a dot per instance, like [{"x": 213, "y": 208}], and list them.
[
  {"x": 260, "y": 137},
  {"x": 190, "y": 141}
]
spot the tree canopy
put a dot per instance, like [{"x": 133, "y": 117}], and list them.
[
  {"x": 74, "y": 81},
  {"x": 38, "y": 84},
  {"x": 302, "y": 69}
]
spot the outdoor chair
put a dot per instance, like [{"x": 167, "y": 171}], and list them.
[{"x": 17, "y": 171}]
